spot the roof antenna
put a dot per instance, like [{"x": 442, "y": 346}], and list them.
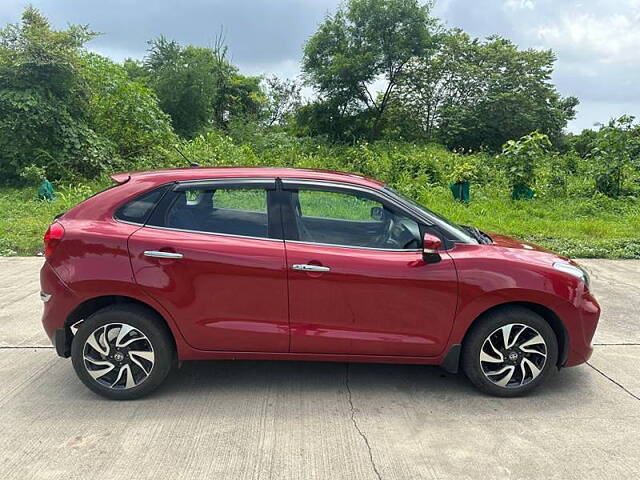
[{"x": 191, "y": 164}]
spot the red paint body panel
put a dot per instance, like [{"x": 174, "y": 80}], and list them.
[
  {"x": 92, "y": 261},
  {"x": 228, "y": 293},
  {"x": 371, "y": 302},
  {"x": 234, "y": 297},
  {"x": 491, "y": 275}
]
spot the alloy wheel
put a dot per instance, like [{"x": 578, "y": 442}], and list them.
[
  {"x": 118, "y": 356},
  {"x": 513, "y": 355}
]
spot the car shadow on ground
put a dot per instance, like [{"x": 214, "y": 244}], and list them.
[
  {"x": 255, "y": 377},
  {"x": 235, "y": 389}
]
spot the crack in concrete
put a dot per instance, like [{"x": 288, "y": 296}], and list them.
[
  {"x": 357, "y": 427},
  {"x": 25, "y": 346},
  {"x": 614, "y": 382}
]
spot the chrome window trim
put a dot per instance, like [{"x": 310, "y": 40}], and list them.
[
  {"x": 406, "y": 250},
  {"x": 351, "y": 187},
  {"x": 289, "y": 183},
  {"x": 188, "y": 183},
  {"x": 383, "y": 195},
  {"x": 242, "y": 182},
  {"x": 263, "y": 183},
  {"x": 280, "y": 240},
  {"x": 115, "y": 219}
]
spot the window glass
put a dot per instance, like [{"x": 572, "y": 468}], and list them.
[
  {"x": 138, "y": 209},
  {"x": 352, "y": 219},
  {"x": 458, "y": 233},
  {"x": 193, "y": 196},
  {"x": 227, "y": 211},
  {"x": 341, "y": 206},
  {"x": 253, "y": 200}
]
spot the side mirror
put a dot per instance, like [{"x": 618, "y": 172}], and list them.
[
  {"x": 377, "y": 214},
  {"x": 430, "y": 247}
]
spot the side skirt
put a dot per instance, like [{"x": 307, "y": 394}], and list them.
[{"x": 314, "y": 357}]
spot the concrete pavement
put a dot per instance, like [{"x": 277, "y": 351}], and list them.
[{"x": 294, "y": 420}]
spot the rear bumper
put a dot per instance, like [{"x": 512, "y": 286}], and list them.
[{"x": 60, "y": 303}]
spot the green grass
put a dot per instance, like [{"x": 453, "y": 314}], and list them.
[
  {"x": 577, "y": 227},
  {"x": 335, "y": 205},
  {"x": 24, "y": 218}
]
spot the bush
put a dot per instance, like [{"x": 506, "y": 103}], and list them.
[
  {"x": 615, "y": 150},
  {"x": 465, "y": 171},
  {"x": 44, "y": 112},
  {"x": 125, "y": 112},
  {"x": 521, "y": 157}
]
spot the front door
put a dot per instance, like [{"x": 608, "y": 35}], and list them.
[
  {"x": 214, "y": 258},
  {"x": 357, "y": 281}
]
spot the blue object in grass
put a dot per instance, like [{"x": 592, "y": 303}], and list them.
[
  {"x": 46, "y": 191},
  {"x": 522, "y": 192},
  {"x": 460, "y": 191}
]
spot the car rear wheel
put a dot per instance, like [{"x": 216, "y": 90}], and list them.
[
  {"x": 510, "y": 352},
  {"x": 122, "y": 352}
]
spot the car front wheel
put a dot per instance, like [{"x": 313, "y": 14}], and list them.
[
  {"x": 122, "y": 352},
  {"x": 510, "y": 352}
]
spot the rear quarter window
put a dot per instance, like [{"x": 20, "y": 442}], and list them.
[{"x": 139, "y": 209}]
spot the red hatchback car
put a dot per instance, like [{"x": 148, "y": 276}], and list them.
[{"x": 288, "y": 264}]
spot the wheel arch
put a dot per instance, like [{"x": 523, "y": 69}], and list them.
[
  {"x": 545, "y": 312},
  {"x": 92, "y": 305}
]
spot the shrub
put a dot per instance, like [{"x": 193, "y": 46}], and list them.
[
  {"x": 125, "y": 112},
  {"x": 521, "y": 157},
  {"x": 615, "y": 150},
  {"x": 463, "y": 171},
  {"x": 44, "y": 113}
]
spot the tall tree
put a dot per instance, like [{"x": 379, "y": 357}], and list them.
[
  {"x": 283, "y": 99},
  {"x": 451, "y": 76},
  {"x": 364, "y": 44},
  {"x": 197, "y": 86},
  {"x": 44, "y": 109},
  {"x": 475, "y": 94}
]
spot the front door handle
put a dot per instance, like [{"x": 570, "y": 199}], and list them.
[
  {"x": 159, "y": 254},
  {"x": 310, "y": 268}
]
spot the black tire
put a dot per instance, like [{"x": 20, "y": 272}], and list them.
[
  {"x": 484, "y": 328},
  {"x": 146, "y": 323}
]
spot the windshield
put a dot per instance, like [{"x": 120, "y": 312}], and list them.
[{"x": 452, "y": 227}]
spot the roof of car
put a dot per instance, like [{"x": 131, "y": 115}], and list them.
[{"x": 203, "y": 173}]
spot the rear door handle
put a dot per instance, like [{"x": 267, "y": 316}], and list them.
[
  {"x": 159, "y": 254},
  {"x": 310, "y": 268}
]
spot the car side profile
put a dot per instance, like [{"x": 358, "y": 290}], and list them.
[{"x": 292, "y": 264}]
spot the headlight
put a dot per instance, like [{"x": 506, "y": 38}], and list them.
[{"x": 573, "y": 270}]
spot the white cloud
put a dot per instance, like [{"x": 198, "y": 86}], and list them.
[
  {"x": 519, "y": 4},
  {"x": 609, "y": 39}
]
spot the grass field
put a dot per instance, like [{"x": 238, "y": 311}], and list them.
[
  {"x": 577, "y": 227},
  {"x": 24, "y": 218}
]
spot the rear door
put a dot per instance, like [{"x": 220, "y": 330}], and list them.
[
  {"x": 357, "y": 280},
  {"x": 212, "y": 254}
]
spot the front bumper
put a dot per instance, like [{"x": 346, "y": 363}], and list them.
[
  {"x": 581, "y": 330},
  {"x": 62, "y": 342}
]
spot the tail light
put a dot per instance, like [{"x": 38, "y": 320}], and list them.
[{"x": 52, "y": 238}]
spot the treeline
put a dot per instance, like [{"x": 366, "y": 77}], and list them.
[{"x": 382, "y": 70}]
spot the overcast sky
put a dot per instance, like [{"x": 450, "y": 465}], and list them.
[{"x": 597, "y": 42}]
